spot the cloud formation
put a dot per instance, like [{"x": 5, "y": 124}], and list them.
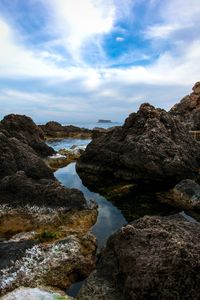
[{"x": 91, "y": 59}]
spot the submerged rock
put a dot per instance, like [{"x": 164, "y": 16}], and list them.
[
  {"x": 150, "y": 258},
  {"x": 152, "y": 147},
  {"x": 64, "y": 157},
  {"x": 56, "y": 130},
  {"x": 187, "y": 192},
  {"x": 188, "y": 109}
]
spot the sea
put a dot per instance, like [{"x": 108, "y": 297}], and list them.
[
  {"x": 91, "y": 125},
  {"x": 68, "y": 143}
]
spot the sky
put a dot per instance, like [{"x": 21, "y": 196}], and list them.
[{"x": 84, "y": 60}]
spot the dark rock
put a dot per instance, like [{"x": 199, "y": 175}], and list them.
[
  {"x": 188, "y": 109},
  {"x": 98, "y": 131},
  {"x": 25, "y": 130},
  {"x": 152, "y": 147},
  {"x": 151, "y": 258},
  {"x": 19, "y": 190},
  {"x": 12, "y": 251},
  {"x": 24, "y": 177},
  {"x": 56, "y": 130},
  {"x": 16, "y": 155}
]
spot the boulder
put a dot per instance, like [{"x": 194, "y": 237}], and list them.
[
  {"x": 58, "y": 264},
  {"x": 25, "y": 130},
  {"x": 188, "y": 109},
  {"x": 20, "y": 190},
  {"x": 16, "y": 155},
  {"x": 150, "y": 258},
  {"x": 24, "y": 177},
  {"x": 151, "y": 148},
  {"x": 54, "y": 129}
]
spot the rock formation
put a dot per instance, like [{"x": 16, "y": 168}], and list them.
[
  {"x": 152, "y": 147},
  {"x": 150, "y": 258},
  {"x": 24, "y": 177},
  {"x": 25, "y": 130},
  {"x": 56, "y": 130},
  {"x": 188, "y": 109},
  {"x": 44, "y": 237}
]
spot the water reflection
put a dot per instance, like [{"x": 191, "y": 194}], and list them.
[{"x": 109, "y": 218}]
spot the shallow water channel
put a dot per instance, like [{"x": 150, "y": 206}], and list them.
[{"x": 111, "y": 216}]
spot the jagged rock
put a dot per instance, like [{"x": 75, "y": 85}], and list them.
[
  {"x": 24, "y": 176},
  {"x": 16, "y": 155},
  {"x": 188, "y": 109},
  {"x": 150, "y": 258},
  {"x": 98, "y": 131},
  {"x": 20, "y": 190},
  {"x": 25, "y": 130},
  {"x": 56, "y": 130},
  {"x": 152, "y": 147}
]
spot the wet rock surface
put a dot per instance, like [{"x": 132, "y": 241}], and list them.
[
  {"x": 56, "y": 130},
  {"x": 188, "y": 192},
  {"x": 64, "y": 157},
  {"x": 151, "y": 148},
  {"x": 188, "y": 109},
  {"x": 150, "y": 258}
]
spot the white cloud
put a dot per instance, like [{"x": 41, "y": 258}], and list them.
[
  {"x": 175, "y": 16},
  {"x": 119, "y": 39},
  {"x": 76, "y": 21},
  {"x": 18, "y": 61}
]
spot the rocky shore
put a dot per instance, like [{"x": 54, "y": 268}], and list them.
[
  {"x": 54, "y": 130},
  {"x": 152, "y": 148},
  {"x": 44, "y": 227},
  {"x": 46, "y": 244},
  {"x": 150, "y": 258}
]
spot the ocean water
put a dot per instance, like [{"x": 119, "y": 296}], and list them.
[
  {"x": 91, "y": 125},
  {"x": 67, "y": 143}
]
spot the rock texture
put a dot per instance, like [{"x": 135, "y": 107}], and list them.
[
  {"x": 152, "y": 147},
  {"x": 44, "y": 237},
  {"x": 25, "y": 130},
  {"x": 24, "y": 176},
  {"x": 58, "y": 265},
  {"x": 188, "y": 109},
  {"x": 151, "y": 258},
  {"x": 56, "y": 130}
]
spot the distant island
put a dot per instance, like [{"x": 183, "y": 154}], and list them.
[{"x": 104, "y": 121}]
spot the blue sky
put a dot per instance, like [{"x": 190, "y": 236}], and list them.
[{"x": 81, "y": 60}]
